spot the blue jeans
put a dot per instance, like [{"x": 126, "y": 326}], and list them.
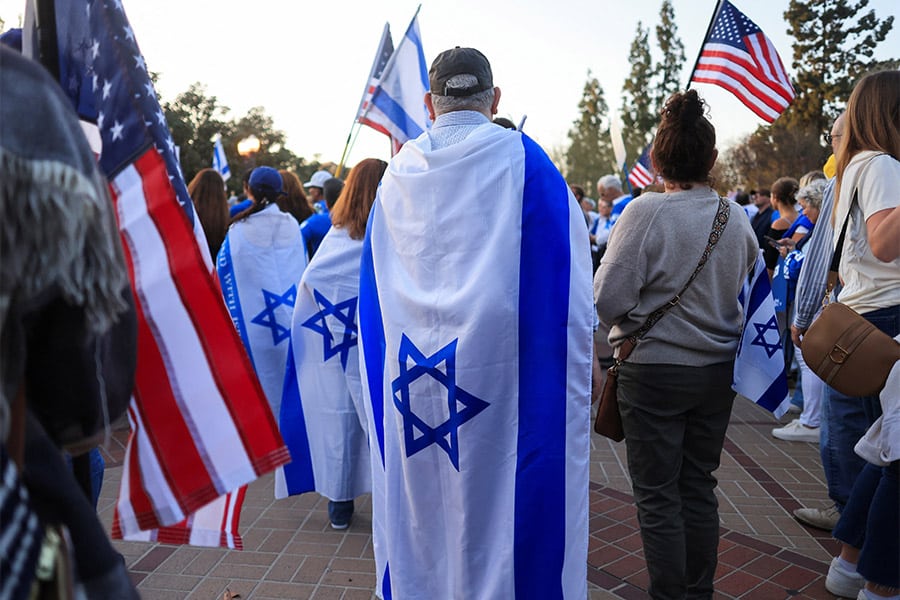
[
  {"x": 871, "y": 522},
  {"x": 845, "y": 419}
]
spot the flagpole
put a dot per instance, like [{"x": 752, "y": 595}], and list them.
[
  {"x": 346, "y": 148},
  {"x": 45, "y": 24},
  {"x": 703, "y": 43}
]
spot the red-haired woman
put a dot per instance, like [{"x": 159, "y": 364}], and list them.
[{"x": 324, "y": 337}]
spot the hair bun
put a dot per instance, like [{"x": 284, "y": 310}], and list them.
[{"x": 685, "y": 108}]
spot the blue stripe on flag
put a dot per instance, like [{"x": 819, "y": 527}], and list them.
[
  {"x": 540, "y": 508},
  {"x": 298, "y": 474},
  {"x": 759, "y": 292},
  {"x": 396, "y": 113},
  {"x": 775, "y": 395},
  {"x": 372, "y": 332},
  {"x": 412, "y": 33},
  {"x": 225, "y": 269}
]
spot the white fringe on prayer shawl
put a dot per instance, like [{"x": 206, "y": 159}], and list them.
[
  {"x": 58, "y": 228},
  {"x": 322, "y": 418},
  {"x": 475, "y": 324},
  {"x": 259, "y": 265}
]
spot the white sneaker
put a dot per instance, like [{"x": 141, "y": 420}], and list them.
[
  {"x": 797, "y": 432},
  {"x": 820, "y": 518},
  {"x": 841, "y": 583}
]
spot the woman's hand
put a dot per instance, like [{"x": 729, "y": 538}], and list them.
[{"x": 785, "y": 245}]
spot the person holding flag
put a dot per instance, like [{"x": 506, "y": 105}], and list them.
[
  {"x": 674, "y": 389},
  {"x": 69, "y": 347},
  {"x": 475, "y": 331}
]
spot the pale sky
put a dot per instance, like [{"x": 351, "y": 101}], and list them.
[{"x": 307, "y": 62}]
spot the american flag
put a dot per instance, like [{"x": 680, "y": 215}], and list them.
[
  {"x": 739, "y": 57},
  {"x": 200, "y": 425},
  {"x": 641, "y": 174},
  {"x": 397, "y": 104},
  {"x": 367, "y": 115}
]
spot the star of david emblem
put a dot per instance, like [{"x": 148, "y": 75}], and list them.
[
  {"x": 345, "y": 312},
  {"x": 760, "y": 339},
  {"x": 266, "y": 318},
  {"x": 462, "y": 405}
]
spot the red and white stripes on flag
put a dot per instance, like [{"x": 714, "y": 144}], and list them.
[
  {"x": 738, "y": 56},
  {"x": 201, "y": 427},
  {"x": 382, "y": 56},
  {"x": 639, "y": 176}
]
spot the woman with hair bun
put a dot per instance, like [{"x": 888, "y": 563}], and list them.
[{"x": 674, "y": 389}]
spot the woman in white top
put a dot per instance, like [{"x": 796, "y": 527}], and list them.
[{"x": 868, "y": 193}]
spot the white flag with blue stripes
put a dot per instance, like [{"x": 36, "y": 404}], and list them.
[
  {"x": 219, "y": 160},
  {"x": 398, "y": 104},
  {"x": 259, "y": 265},
  {"x": 322, "y": 418},
  {"x": 475, "y": 325},
  {"x": 759, "y": 367}
]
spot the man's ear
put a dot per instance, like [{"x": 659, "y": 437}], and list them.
[
  {"x": 429, "y": 105},
  {"x": 496, "y": 101}
]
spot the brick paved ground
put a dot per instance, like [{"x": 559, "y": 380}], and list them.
[{"x": 291, "y": 552}]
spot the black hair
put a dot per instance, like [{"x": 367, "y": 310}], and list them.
[{"x": 331, "y": 190}]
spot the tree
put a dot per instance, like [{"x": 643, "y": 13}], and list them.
[
  {"x": 834, "y": 42},
  {"x": 668, "y": 71},
  {"x": 590, "y": 154},
  {"x": 638, "y": 117},
  {"x": 194, "y": 118}
]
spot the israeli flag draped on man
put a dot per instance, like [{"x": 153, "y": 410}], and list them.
[{"x": 475, "y": 325}]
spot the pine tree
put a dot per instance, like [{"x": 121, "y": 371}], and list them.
[
  {"x": 638, "y": 116},
  {"x": 668, "y": 71},
  {"x": 834, "y": 44},
  {"x": 590, "y": 154}
]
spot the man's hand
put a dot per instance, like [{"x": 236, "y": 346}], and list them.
[{"x": 797, "y": 335}]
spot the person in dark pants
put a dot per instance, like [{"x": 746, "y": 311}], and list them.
[{"x": 674, "y": 389}]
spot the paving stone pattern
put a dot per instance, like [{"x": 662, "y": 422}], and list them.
[{"x": 291, "y": 552}]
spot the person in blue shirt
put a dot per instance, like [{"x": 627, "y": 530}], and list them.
[
  {"x": 315, "y": 227},
  {"x": 610, "y": 188},
  {"x": 247, "y": 202}
]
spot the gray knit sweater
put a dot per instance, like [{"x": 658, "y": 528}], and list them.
[{"x": 653, "y": 249}]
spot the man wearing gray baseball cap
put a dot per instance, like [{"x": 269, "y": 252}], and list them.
[{"x": 475, "y": 316}]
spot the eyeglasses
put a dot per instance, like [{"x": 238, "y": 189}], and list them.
[{"x": 830, "y": 138}]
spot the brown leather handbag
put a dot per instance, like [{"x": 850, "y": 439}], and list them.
[
  {"x": 608, "y": 421},
  {"x": 846, "y": 351},
  {"x": 849, "y": 353}
]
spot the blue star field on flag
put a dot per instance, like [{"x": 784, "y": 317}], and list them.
[
  {"x": 760, "y": 339},
  {"x": 446, "y": 434},
  {"x": 267, "y": 317},
  {"x": 102, "y": 67},
  {"x": 345, "y": 312}
]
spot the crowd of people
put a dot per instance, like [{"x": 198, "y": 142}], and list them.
[{"x": 447, "y": 367}]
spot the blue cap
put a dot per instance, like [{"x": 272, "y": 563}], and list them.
[{"x": 266, "y": 178}]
